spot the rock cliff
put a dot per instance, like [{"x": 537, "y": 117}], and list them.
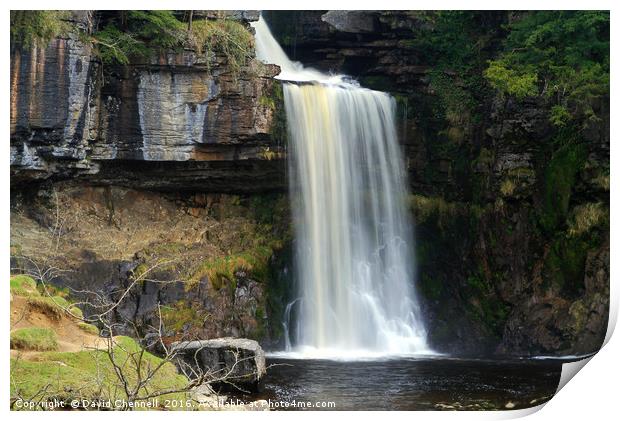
[{"x": 72, "y": 116}]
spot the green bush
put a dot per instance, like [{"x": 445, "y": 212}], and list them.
[
  {"x": 520, "y": 83},
  {"x": 138, "y": 33},
  {"x": 34, "y": 339},
  {"x": 561, "y": 55},
  {"x": 226, "y": 37}
]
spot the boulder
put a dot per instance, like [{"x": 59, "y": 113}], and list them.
[{"x": 235, "y": 362}]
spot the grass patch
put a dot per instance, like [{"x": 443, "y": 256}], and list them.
[
  {"x": 223, "y": 36},
  {"x": 34, "y": 339},
  {"x": 507, "y": 188},
  {"x": 54, "y": 306},
  {"x": 221, "y": 271},
  {"x": 585, "y": 217},
  {"x": 90, "y": 374},
  {"x": 87, "y": 327},
  {"x": 429, "y": 208},
  {"x": 602, "y": 181},
  {"x": 24, "y": 286}
]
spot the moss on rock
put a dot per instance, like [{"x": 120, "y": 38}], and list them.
[{"x": 560, "y": 177}]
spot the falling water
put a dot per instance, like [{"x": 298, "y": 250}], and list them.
[{"x": 354, "y": 260}]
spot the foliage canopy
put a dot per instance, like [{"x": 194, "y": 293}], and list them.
[{"x": 561, "y": 55}]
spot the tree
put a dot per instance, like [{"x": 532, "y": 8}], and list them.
[{"x": 560, "y": 55}]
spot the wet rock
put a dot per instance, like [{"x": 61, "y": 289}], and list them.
[{"x": 240, "y": 362}]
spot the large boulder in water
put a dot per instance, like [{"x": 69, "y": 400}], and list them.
[{"x": 224, "y": 362}]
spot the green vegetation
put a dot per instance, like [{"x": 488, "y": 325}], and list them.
[
  {"x": 458, "y": 44},
  {"x": 430, "y": 288},
  {"x": 226, "y": 37},
  {"x": 54, "y": 306},
  {"x": 51, "y": 302},
  {"x": 425, "y": 207},
  {"x": 507, "y": 188},
  {"x": 87, "y": 327},
  {"x": 534, "y": 59},
  {"x": 221, "y": 271},
  {"x": 24, "y": 286},
  {"x": 137, "y": 33},
  {"x": 602, "y": 180},
  {"x": 511, "y": 82},
  {"x": 256, "y": 245},
  {"x": 587, "y": 216},
  {"x": 560, "y": 176},
  {"x": 142, "y": 33},
  {"x": 275, "y": 100},
  {"x": 561, "y": 55},
  {"x": 91, "y": 375},
  {"x": 456, "y": 102},
  {"x": 37, "y": 27},
  {"x": 484, "y": 305},
  {"x": 34, "y": 339},
  {"x": 565, "y": 265},
  {"x": 180, "y": 315}
]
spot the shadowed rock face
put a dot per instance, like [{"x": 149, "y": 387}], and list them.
[{"x": 71, "y": 117}]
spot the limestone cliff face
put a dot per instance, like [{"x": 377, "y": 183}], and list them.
[
  {"x": 71, "y": 116},
  {"x": 53, "y": 111}
]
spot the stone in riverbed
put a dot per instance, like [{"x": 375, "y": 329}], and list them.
[{"x": 229, "y": 362}]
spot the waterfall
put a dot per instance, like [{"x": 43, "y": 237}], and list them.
[{"x": 354, "y": 258}]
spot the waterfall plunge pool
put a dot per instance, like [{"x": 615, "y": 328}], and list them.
[{"x": 428, "y": 383}]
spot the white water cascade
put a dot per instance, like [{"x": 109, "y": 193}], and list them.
[{"x": 354, "y": 257}]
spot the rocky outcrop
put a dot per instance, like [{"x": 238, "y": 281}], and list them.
[
  {"x": 236, "y": 361},
  {"x": 71, "y": 116},
  {"x": 371, "y": 45}
]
